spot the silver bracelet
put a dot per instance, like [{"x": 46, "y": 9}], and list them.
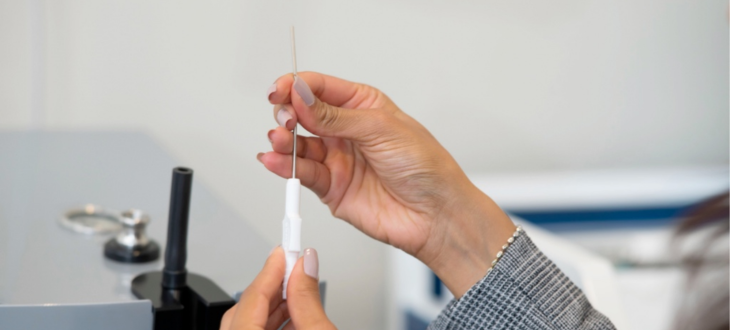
[{"x": 517, "y": 232}]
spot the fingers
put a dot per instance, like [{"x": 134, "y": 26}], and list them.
[
  {"x": 338, "y": 92},
  {"x": 285, "y": 116},
  {"x": 289, "y": 326},
  {"x": 324, "y": 119},
  {"x": 313, "y": 175},
  {"x": 277, "y": 300},
  {"x": 228, "y": 318},
  {"x": 278, "y": 316},
  {"x": 261, "y": 296},
  {"x": 307, "y": 147},
  {"x": 303, "y": 299},
  {"x": 335, "y": 91},
  {"x": 330, "y": 106}
]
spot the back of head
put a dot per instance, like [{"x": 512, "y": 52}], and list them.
[{"x": 702, "y": 245}]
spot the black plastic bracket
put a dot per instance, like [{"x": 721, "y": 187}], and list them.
[
  {"x": 200, "y": 305},
  {"x": 181, "y": 300}
]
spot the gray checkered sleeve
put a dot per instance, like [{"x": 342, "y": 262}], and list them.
[{"x": 525, "y": 290}]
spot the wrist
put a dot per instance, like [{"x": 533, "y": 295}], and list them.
[{"x": 473, "y": 229}]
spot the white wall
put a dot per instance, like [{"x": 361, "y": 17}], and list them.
[
  {"x": 15, "y": 64},
  {"x": 506, "y": 86}
]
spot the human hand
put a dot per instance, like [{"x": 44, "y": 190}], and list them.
[
  {"x": 261, "y": 305},
  {"x": 383, "y": 172}
]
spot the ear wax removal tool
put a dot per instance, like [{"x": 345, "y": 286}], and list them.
[{"x": 292, "y": 224}]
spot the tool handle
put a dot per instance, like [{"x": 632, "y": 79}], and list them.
[{"x": 291, "y": 228}]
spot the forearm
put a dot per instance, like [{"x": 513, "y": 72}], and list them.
[
  {"x": 477, "y": 228},
  {"x": 525, "y": 290}
]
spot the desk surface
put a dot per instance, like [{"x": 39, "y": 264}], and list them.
[{"x": 42, "y": 174}]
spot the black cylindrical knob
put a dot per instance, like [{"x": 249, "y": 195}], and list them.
[{"x": 174, "y": 273}]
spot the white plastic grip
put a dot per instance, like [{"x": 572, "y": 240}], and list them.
[{"x": 291, "y": 228}]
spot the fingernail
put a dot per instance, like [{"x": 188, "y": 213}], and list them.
[
  {"x": 282, "y": 117},
  {"x": 274, "y": 249},
  {"x": 259, "y": 156},
  {"x": 311, "y": 263},
  {"x": 271, "y": 133},
  {"x": 271, "y": 90},
  {"x": 304, "y": 91}
]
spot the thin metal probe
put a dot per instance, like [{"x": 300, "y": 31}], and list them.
[
  {"x": 293, "y": 51},
  {"x": 294, "y": 67},
  {"x": 294, "y": 155}
]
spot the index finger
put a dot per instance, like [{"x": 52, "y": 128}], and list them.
[
  {"x": 334, "y": 91},
  {"x": 263, "y": 293}
]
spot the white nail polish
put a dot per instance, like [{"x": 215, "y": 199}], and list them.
[
  {"x": 282, "y": 116},
  {"x": 304, "y": 91},
  {"x": 271, "y": 90},
  {"x": 311, "y": 263}
]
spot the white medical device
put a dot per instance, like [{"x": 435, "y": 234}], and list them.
[{"x": 292, "y": 224}]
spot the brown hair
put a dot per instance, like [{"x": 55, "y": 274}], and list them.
[{"x": 706, "y": 309}]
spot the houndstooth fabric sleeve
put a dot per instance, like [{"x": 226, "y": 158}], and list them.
[{"x": 525, "y": 290}]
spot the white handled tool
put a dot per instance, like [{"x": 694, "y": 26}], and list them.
[{"x": 292, "y": 224}]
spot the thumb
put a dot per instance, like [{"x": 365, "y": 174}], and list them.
[
  {"x": 327, "y": 120},
  {"x": 303, "y": 298}
]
